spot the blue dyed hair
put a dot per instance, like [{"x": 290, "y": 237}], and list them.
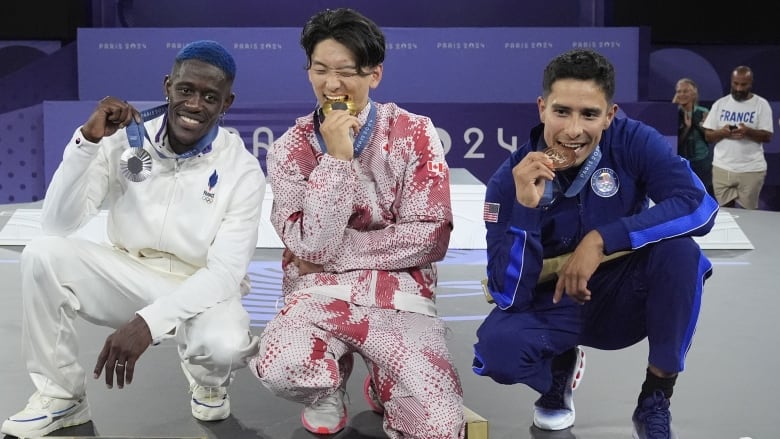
[{"x": 209, "y": 52}]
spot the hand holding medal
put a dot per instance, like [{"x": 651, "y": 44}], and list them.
[
  {"x": 532, "y": 176},
  {"x": 338, "y": 127},
  {"x": 135, "y": 163},
  {"x": 333, "y": 129},
  {"x": 110, "y": 116}
]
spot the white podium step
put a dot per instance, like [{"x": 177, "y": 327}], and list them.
[{"x": 467, "y": 193}]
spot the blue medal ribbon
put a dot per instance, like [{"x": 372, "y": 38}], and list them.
[
  {"x": 136, "y": 132},
  {"x": 587, "y": 169},
  {"x": 585, "y": 172}
]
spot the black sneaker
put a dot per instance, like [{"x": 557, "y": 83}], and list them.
[
  {"x": 652, "y": 418},
  {"x": 555, "y": 409}
]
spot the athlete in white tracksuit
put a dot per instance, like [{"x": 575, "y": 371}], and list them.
[
  {"x": 180, "y": 250},
  {"x": 181, "y": 235}
]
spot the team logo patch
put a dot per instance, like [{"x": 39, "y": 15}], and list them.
[
  {"x": 604, "y": 182},
  {"x": 208, "y": 194}
]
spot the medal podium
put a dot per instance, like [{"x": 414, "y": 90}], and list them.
[
  {"x": 467, "y": 194},
  {"x": 466, "y": 191}
]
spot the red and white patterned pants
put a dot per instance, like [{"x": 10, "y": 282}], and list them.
[{"x": 302, "y": 348}]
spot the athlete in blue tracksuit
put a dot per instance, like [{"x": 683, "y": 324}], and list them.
[{"x": 596, "y": 208}]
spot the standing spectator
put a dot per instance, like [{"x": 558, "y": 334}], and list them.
[
  {"x": 362, "y": 204},
  {"x": 738, "y": 125},
  {"x": 691, "y": 143}
]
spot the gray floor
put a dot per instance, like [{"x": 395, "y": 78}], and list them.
[{"x": 729, "y": 390}]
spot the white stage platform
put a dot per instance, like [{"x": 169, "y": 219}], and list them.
[{"x": 467, "y": 194}]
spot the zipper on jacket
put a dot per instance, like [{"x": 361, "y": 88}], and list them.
[{"x": 171, "y": 196}]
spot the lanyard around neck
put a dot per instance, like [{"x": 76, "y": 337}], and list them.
[
  {"x": 587, "y": 169},
  {"x": 136, "y": 132},
  {"x": 585, "y": 172}
]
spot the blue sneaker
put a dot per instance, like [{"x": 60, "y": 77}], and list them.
[
  {"x": 652, "y": 418},
  {"x": 555, "y": 409},
  {"x": 44, "y": 415}
]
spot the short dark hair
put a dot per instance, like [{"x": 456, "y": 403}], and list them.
[
  {"x": 348, "y": 27},
  {"x": 210, "y": 52},
  {"x": 581, "y": 64}
]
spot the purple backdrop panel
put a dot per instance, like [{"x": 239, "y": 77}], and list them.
[
  {"x": 132, "y": 63},
  {"x": 21, "y": 173},
  {"x": 482, "y": 65},
  {"x": 495, "y": 65},
  {"x": 479, "y": 137}
]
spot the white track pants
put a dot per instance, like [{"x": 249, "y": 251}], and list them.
[{"x": 67, "y": 277}]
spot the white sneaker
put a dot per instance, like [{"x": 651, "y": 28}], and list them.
[
  {"x": 327, "y": 415},
  {"x": 207, "y": 403},
  {"x": 555, "y": 409},
  {"x": 44, "y": 415}
]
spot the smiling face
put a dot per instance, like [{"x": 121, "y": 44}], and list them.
[
  {"x": 685, "y": 95},
  {"x": 198, "y": 93},
  {"x": 334, "y": 74},
  {"x": 575, "y": 113}
]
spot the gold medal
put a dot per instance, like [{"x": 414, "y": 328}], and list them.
[
  {"x": 562, "y": 158},
  {"x": 135, "y": 164},
  {"x": 341, "y": 104}
]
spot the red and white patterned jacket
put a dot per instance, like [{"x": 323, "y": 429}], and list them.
[{"x": 376, "y": 224}]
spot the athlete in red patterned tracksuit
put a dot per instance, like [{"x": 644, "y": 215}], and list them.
[{"x": 362, "y": 232}]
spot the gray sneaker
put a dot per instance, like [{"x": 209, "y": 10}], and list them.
[{"x": 327, "y": 415}]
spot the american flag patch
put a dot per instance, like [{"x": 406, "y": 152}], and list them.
[{"x": 490, "y": 212}]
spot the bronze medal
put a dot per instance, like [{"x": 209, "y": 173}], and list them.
[{"x": 562, "y": 158}]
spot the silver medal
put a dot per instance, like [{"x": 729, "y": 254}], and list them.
[{"x": 136, "y": 164}]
